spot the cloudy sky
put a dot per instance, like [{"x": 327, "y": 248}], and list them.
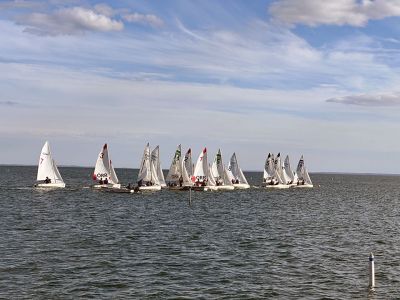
[{"x": 319, "y": 78}]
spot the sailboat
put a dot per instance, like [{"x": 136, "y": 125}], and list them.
[
  {"x": 147, "y": 178},
  {"x": 271, "y": 178},
  {"x": 155, "y": 159},
  {"x": 236, "y": 175},
  {"x": 104, "y": 171},
  {"x": 201, "y": 172},
  {"x": 303, "y": 179},
  {"x": 280, "y": 173},
  {"x": 218, "y": 173},
  {"x": 48, "y": 174},
  {"x": 177, "y": 177},
  {"x": 288, "y": 173}
]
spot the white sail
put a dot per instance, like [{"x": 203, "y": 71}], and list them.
[
  {"x": 288, "y": 171},
  {"x": 113, "y": 175},
  {"x": 154, "y": 176},
  {"x": 201, "y": 169},
  {"x": 185, "y": 176},
  {"x": 279, "y": 170},
  {"x": 188, "y": 163},
  {"x": 102, "y": 168},
  {"x": 234, "y": 171},
  {"x": 174, "y": 172},
  {"x": 145, "y": 166},
  {"x": 211, "y": 181},
  {"x": 302, "y": 173},
  {"x": 155, "y": 158},
  {"x": 225, "y": 177},
  {"x": 47, "y": 166},
  {"x": 269, "y": 168}
]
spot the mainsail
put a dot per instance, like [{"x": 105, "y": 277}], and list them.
[
  {"x": 47, "y": 166},
  {"x": 104, "y": 169},
  {"x": 302, "y": 173},
  {"x": 145, "y": 166},
  {"x": 174, "y": 172},
  {"x": 188, "y": 163},
  {"x": 279, "y": 170},
  {"x": 200, "y": 173},
  {"x": 288, "y": 171},
  {"x": 269, "y": 168},
  {"x": 155, "y": 158},
  {"x": 234, "y": 171},
  {"x": 217, "y": 168}
]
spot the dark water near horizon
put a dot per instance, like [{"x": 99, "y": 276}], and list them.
[{"x": 78, "y": 243}]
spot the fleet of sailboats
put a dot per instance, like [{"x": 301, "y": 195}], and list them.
[{"x": 182, "y": 174}]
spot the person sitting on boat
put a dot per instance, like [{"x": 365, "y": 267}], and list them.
[
  {"x": 101, "y": 181},
  {"x": 237, "y": 181},
  {"x": 129, "y": 186},
  {"x": 180, "y": 181},
  {"x": 233, "y": 181},
  {"x": 105, "y": 181},
  {"x": 47, "y": 180},
  {"x": 140, "y": 182}
]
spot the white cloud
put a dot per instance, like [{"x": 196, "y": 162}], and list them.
[
  {"x": 338, "y": 12},
  {"x": 148, "y": 19},
  {"x": 383, "y": 100},
  {"x": 68, "y": 21},
  {"x": 104, "y": 10}
]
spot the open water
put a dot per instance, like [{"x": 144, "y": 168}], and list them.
[{"x": 76, "y": 243}]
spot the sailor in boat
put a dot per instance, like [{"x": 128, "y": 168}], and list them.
[
  {"x": 237, "y": 181},
  {"x": 105, "y": 181},
  {"x": 140, "y": 182},
  {"x": 180, "y": 181},
  {"x": 101, "y": 181},
  {"x": 47, "y": 180},
  {"x": 129, "y": 186}
]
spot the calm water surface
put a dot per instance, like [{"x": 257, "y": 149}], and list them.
[{"x": 255, "y": 244}]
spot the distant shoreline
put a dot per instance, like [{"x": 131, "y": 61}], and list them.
[{"x": 255, "y": 171}]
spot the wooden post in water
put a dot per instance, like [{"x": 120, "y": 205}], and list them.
[{"x": 371, "y": 272}]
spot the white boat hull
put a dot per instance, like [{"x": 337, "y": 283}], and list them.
[
  {"x": 107, "y": 186},
  {"x": 277, "y": 186},
  {"x": 241, "y": 186},
  {"x": 50, "y": 185},
  {"x": 150, "y": 188},
  {"x": 223, "y": 188}
]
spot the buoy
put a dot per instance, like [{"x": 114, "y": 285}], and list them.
[{"x": 371, "y": 272}]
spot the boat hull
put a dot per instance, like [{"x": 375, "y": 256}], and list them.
[
  {"x": 150, "y": 188},
  {"x": 50, "y": 185},
  {"x": 223, "y": 188},
  {"x": 107, "y": 186},
  {"x": 241, "y": 186},
  {"x": 277, "y": 186}
]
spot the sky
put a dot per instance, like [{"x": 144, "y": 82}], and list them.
[{"x": 300, "y": 77}]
